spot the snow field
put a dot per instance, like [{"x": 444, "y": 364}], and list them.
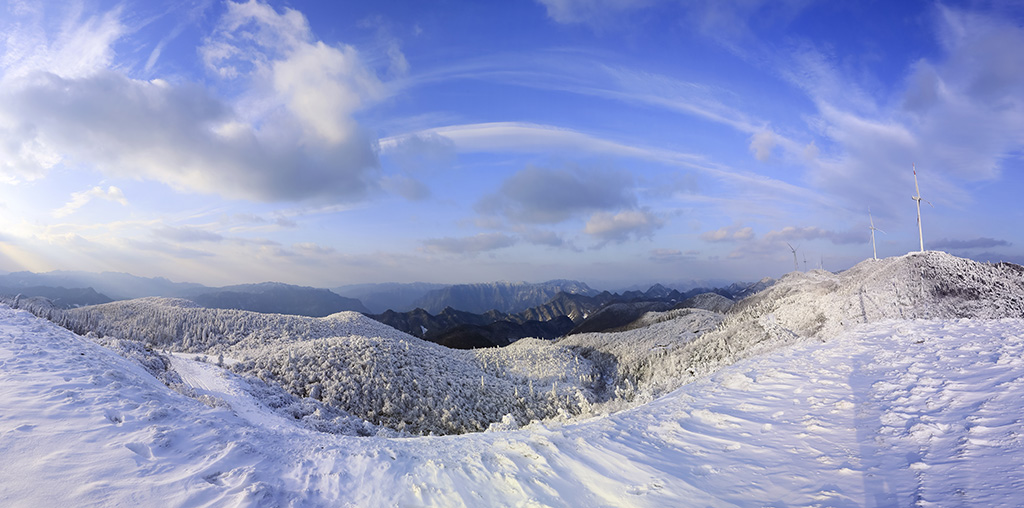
[{"x": 894, "y": 413}]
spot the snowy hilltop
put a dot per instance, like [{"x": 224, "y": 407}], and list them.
[{"x": 890, "y": 384}]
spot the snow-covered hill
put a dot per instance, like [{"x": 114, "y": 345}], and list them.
[
  {"x": 893, "y": 413},
  {"x": 362, "y": 367}
]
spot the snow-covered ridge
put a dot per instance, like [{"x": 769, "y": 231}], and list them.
[{"x": 820, "y": 305}]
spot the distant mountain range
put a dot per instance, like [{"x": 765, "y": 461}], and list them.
[
  {"x": 564, "y": 314},
  {"x": 61, "y": 297},
  {"x": 77, "y": 289},
  {"x": 278, "y": 298},
  {"x": 389, "y": 295},
  {"x": 115, "y": 285},
  {"x": 502, "y": 296},
  {"x": 459, "y": 316}
]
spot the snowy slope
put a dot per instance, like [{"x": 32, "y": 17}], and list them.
[
  {"x": 819, "y": 305},
  {"x": 893, "y": 413}
]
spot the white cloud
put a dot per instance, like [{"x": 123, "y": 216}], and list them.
[
  {"x": 595, "y": 12},
  {"x": 81, "y": 45},
  {"x": 546, "y": 196},
  {"x": 959, "y": 115},
  {"x": 300, "y": 143},
  {"x": 409, "y": 188},
  {"x": 974, "y": 243},
  {"x": 968, "y": 107},
  {"x": 415, "y": 152},
  {"x": 320, "y": 85},
  {"x": 729, "y": 234},
  {"x": 323, "y": 86},
  {"x": 762, "y": 144},
  {"x": 790, "y": 233},
  {"x": 188, "y": 234},
  {"x": 476, "y": 244},
  {"x": 518, "y": 137},
  {"x": 544, "y": 237},
  {"x": 672, "y": 255},
  {"x": 314, "y": 249},
  {"x": 622, "y": 226},
  {"x": 80, "y": 199}
]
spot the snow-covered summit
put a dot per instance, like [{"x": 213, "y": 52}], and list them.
[{"x": 820, "y": 305}]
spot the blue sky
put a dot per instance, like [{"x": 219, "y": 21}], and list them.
[{"x": 610, "y": 141}]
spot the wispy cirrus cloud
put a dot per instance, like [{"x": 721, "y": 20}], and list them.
[
  {"x": 187, "y": 234},
  {"x": 792, "y": 233},
  {"x": 80, "y": 199},
  {"x": 974, "y": 243},
  {"x": 599, "y": 13},
  {"x": 957, "y": 115},
  {"x": 469, "y": 245},
  {"x": 529, "y": 138}
]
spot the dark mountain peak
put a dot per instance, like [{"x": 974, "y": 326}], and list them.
[
  {"x": 658, "y": 291},
  {"x": 279, "y": 298},
  {"x": 504, "y": 296}
]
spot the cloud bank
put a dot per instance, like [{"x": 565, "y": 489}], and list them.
[{"x": 300, "y": 143}]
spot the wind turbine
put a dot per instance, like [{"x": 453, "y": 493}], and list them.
[
  {"x": 918, "y": 198},
  {"x": 873, "y": 229},
  {"x": 796, "y": 267}
]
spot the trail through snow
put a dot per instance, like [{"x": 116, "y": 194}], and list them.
[
  {"x": 896, "y": 413},
  {"x": 221, "y": 386}
]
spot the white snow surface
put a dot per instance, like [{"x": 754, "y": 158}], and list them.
[{"x": 889, "y": 413}]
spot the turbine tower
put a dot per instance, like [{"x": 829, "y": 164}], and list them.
[
  {"x": 872, "y": 227},
  {"x": 918, "y": 198},
  {"x": 796, "y": 267}
]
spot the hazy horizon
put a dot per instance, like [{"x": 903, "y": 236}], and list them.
[
  {"x": 605, "y": 141},
  {"x": 595, "y": 284}
]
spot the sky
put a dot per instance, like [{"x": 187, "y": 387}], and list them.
[{"x": 610, "y": 141}]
